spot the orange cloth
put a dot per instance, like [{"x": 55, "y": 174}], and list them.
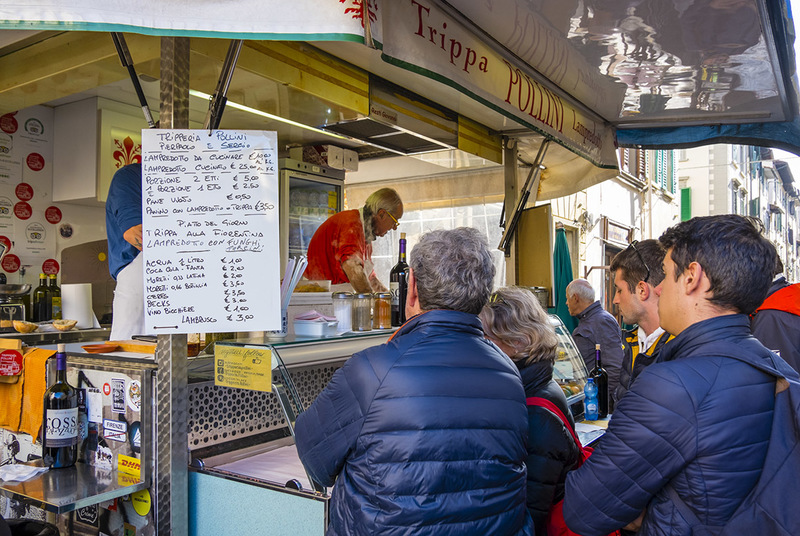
[
  {"x": 35, "y": 377},
  {"x": 22, "y": 403}
]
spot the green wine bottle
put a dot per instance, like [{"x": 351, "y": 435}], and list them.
[
  {"x": 42, "y": 307},
  {"x": 55, "y": 298}
]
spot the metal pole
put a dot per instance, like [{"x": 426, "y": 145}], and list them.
[
  {"x": 127, "y": 62},
  {"x": 218, "y": 100},
  {"x": 172, "y": 392},
  {"x": 531, "y": 184}
]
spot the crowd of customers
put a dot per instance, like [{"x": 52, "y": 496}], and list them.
[{"x": 430, "y": 433}]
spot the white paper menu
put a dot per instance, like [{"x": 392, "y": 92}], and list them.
[{"x": 210, "y": 231}]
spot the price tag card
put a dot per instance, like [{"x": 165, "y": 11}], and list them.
[
  {"x": 210, "y": 229},
  {"x": 245, "y": 368}
]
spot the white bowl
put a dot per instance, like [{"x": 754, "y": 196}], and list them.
[{"x": 314, "y": 328}]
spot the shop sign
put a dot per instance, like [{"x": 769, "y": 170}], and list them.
[
  {"x": 50, "y": 267},
  {"x": 8, "y": 123},
  {"x": 10, "y": 363},
  {"x": 10, "y": 263},
  {"x": 425, "y": 39},
  {"x": 52, "y": 214},
  {"x": 35, "y": 161},
  {"x": 24, "y": 191},
  {"x": 115, "y": 430}
]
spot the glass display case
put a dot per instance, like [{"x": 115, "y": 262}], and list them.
[{"x": 570, "y": 369}]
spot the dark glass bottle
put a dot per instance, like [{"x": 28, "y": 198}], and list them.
[
  {"x": 60, "y": 421},
  {"x": 42, "y": 307},
  {"x": 600, "y": 377},
  {"x": 55, "y": 298},
  {"x": 398, "y": 285}
]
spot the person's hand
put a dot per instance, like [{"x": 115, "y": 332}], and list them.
[{"x": 134, "y": 236}]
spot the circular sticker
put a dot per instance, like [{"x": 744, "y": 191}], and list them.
[
  {"x": 24, "y": 191},
  {"x": 6, "y": 242},
  {"x": 141, "y": 502},
  {"x": 10, "y": 363},
  {"x": 23, "y": 210},
  {"x": 135, "y": 395},
  {"x": 10, "y": 263},
  {"x": 52, "y": 214},
  {"x": 8, "y": 123},
  {"x": 35, "y": 233},
  {"x": 106, "y": 389},
  {"x": 50, "y": 267},
  {"x": 65, "y": 230},
  {"x": 35, "y": 161},
  {"x": 6, "y": 207},
  {"x": 135, "y": 436},
  {"x": 34, "y": 126},
  {"x": 6, "y": 143}
]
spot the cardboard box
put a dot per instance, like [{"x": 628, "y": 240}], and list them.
[{"x": 326, "y": 155}]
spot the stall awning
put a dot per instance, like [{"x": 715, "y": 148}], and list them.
[{"x": 588, "y": 74}]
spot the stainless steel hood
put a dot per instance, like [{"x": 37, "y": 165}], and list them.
[{"x": 401, "y": 122}]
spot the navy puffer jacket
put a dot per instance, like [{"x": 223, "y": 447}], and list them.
[
  {"x": 552, "y": 450},
  {"x": 423, "y": 435},
  {"x": 696, "y": 421}
]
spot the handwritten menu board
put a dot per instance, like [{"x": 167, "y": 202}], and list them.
[{"x": 210, "y": 231}]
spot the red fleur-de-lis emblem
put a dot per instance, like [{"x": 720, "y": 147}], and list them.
[
  {"x": 357, "y": 9},
  {"x": 128, "y": 152}
]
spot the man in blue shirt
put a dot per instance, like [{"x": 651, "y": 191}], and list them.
[{"x": 124, "y": 232}]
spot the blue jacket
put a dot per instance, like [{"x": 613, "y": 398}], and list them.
[
  {"x": 696, "y": 421},
  {"x": 423, "y": 435},
  {"x": 552, "y": 451},
  {"x": 123, "y": 211}
]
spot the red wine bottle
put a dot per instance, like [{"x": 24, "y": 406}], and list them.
[
  {"x": 60, "y": 422},
  {"x": 600, "y": 377},
  {"x": 398, "y": 285}
]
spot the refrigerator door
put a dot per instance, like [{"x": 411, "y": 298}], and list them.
[{"x": 307, "y": 201}]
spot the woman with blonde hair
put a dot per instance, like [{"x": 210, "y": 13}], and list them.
[{"x": 516, "y": 322}]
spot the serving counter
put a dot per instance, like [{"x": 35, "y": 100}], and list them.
[{"x": 246, "y": 477}]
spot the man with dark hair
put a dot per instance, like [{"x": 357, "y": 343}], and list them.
[
  {"x": 426, "y": 434},
  {"x": 776, "y": 322},
  {"x": 696, "y": 424},
  {"x": 637, "y": 272}
]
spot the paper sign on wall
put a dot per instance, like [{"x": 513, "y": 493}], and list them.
[
  {"x": 245, "y": 368},
  {"x": 210, "y": 222}
]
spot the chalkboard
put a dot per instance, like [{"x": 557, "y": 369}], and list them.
[{"x": 210, "y": 231}]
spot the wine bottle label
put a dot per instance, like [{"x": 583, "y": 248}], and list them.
[
  {"x": 56, "y": 308},
  {"x": 394, "y": 288},
  {"x": 61, "y": 427}
]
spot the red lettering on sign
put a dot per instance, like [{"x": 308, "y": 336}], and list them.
[
  {"x": 52, "y": 214},
  {"x": 8, "y": 123},
  {"x": 35, "y": 161},
  {"x": 23, "y": 210},
  {"x": 10, "y": 263}
]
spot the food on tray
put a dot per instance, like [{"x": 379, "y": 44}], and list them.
[
  {"x": 64, "y": 325},
  {"x": 311, "y": 286},
  {"x": 25, "y": 327}
]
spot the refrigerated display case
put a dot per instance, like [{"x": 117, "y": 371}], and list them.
[
  {"x": 309, "y": 194},
  {"x": 569, "y": 369}
]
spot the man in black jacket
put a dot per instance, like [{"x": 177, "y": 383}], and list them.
[
  {"x": 776, "y": 323},
  {"x": 637, "y": 272}
]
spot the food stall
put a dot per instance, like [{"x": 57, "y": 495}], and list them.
[{"x": 514, "y": 85}]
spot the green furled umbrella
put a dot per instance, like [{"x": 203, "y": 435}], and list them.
[{"x": 562, "y": 265}]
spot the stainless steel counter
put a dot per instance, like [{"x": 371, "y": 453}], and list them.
[{"x": 53, "y": 337}]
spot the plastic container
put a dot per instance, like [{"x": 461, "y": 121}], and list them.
[
  {"x": 314, "y": 328},
  {"x": 343, "y": 310},
  {"x": 592, "y": 405},
  {"x": 382, "y": 310},
  {"x": 362, "y": 312}
]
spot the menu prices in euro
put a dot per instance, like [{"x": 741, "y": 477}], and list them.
[{"x": 210, "y": 231}]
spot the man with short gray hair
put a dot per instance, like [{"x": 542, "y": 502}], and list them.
[
  {"x": 426, "y": 434},
  {"x": 595, "y": 326}
]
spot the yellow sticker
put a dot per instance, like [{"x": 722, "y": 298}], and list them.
[
  {"x": 245, "y": 368},
  {"x": 129, "y": 466},
  {"x": 141, "y": 502}
]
